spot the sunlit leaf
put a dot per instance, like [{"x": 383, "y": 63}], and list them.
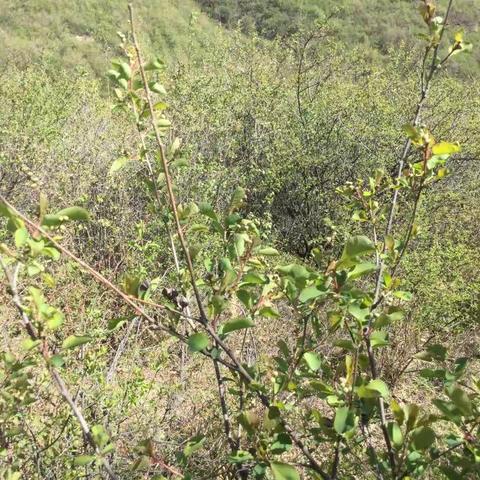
[
  {"x": 118, "y": 164},
  {"x": 313, "y": 360},
  {"x": 198, "y": 341},
  {"x": 237, "y": 324},
  {"x": 283, "y": 471},
  {"x": 75, "y": 341},
  {"x": 445, "y": 148}
]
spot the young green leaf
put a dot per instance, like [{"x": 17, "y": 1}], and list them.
[
  {"x": 357, "y": 246},
  {"x": 461, "y": 400},
  {"x": 312, "y": 360},
  {"x": 21, "y": 237},
  {"x": 237, "y": 324},
  {"x": 71, "y": 213},
  {"x": 75, "y": 341},
  {"x": 340, "y": 423},
  {"x": 395, "y": 434},
  {"x": 198, "y": 341},
  {"x": 57, "y": 361},
  {"x": 237, "y": 199},
  {"x": 309, "y": 293},
  {"x": 361, "y": 269},
  {"x": 267, "y": 252},
  {"x": 445, "y": 148},
  {"x": 82, "y": 460},
  {"x": 283, "y": 471},
  {"x": 118, "y": 164},
  {"x": 422, "y": 438}
]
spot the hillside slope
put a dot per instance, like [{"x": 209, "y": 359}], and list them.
[
  {"x": 376, "y": 24},
  {"x": 83, "y": 34}
]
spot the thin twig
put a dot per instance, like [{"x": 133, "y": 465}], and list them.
[{"x": 121, "y": 348}]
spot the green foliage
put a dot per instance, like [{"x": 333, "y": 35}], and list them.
[
  {"x": 378, "y": 25},
  {"x": 309, "y": 371}
]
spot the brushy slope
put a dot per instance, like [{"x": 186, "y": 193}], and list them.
[
  {"x": 375, "y": 24},
  {"x": 293, "y": 128},
  {"x": 83, "y": 34}
]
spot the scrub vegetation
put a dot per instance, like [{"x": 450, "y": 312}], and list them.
[{"x": 239, "y": 240}]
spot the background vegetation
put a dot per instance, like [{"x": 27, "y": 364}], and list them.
[{"x": 291, "y": 101}]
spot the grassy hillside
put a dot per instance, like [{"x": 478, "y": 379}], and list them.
[{"x": 83, "y": 34}]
